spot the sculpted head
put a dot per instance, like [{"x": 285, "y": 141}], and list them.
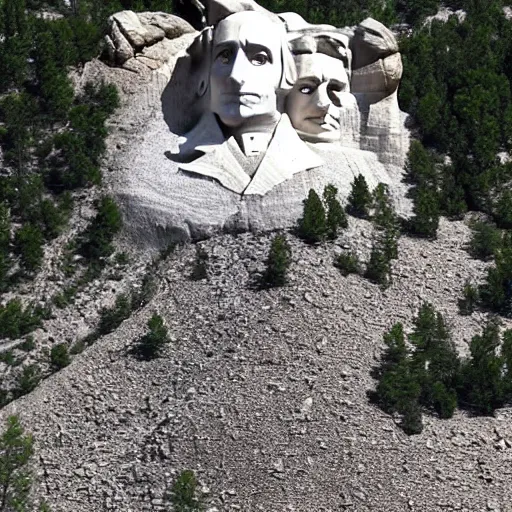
[
  {"x": 250, "y": 63},
  {"x": 322, "y": 88}
]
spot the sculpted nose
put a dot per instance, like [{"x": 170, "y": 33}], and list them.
[
  {"x": 239, "y": 70},
  {"x": 322, "y": 97}
]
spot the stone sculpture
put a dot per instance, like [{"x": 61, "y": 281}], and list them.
[
  {"x": 247, "y": 145},
  {"x": 259, "y": 109},
  {"x": 322, "y": 88}
]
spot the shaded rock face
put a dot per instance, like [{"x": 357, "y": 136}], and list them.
[{"x": 165, "y": 198}]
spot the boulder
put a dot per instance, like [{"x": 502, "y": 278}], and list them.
[
  {"x": 372, "y": 41},
  {"x": 123, "y": 49},
  {"x": 173, "y": 26},
  {"x": 138, "y": 35}
]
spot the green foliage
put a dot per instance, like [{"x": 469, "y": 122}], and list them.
[
  {"x": 485, "y": 240},
  {"x": 27, "y": 380},
  {"x": 386, "y": 221},
  {"x": 111, "y": 318},
  {"x": 16, "y": 448},
  {"x": 503, "y": 210},
  {"x": 151, "y": 344},
  {"x": 463, "y": 109},
  {"x": 200, "y": 265},
  {"x": 97, "y": 239},
  {"x": 347, "y": 263},
  {"x": 378, "y": 268},
  {"x": 16, "y": 321},
  {"x": 496, "y": 293},
  {"x": 278, "y": 262},
  {"x": 426, "y": 213},
  {"x": 360, "y": 198},
  {"x": 5, "y": 239},
  {"x": 336, "y": 217},
  {"x": 184, "y": 494},
  {"x": 312, "y": 226},
  {"x": 483, "y": 383},
  {"x": 426, "y": 376},
  {"x": 59, "y": 356},
  {"x": 28, "y": 345},
  {"x": 435, "y": 361},
  {"x": 469, "y": 299},
  {"x": 28, "y": 243}
]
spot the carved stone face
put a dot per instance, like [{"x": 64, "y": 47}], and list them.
[
  {"x": 246, "y": 68},
  {"x": 317, "y": 98}
]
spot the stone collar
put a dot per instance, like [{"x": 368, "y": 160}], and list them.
[{"x": 223, "y": 160}]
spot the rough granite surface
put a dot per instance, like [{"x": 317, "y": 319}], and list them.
[{"x": 263, "y": 393}]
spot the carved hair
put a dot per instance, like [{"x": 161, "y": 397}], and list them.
[{"x": 332, "y": 44}]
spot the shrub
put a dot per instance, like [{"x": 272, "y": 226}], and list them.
[
  {"x": 312, "y": 226},
  {"x": 97, "y": 239},
  {"x": 151, "y": 344},
  {"x": 16, "y": 321},
  {"x": 360, "y": 198},
  {"x": 59, "y": 356},
  {"x": 28, "y": 243},
  {"x": 184, "y": 494},
  {"x": 200, "y": 265},
  {"x": 496, "y": 292},
  {"x": 485, "y": 240},
  {"x": 16, "y": 448},
  {"x": 278, "y": 261},
  {"x": 27, "y": 380},
  {"x": 378, "y": 269},
  {"x": 503, "y": 210},
  {"x": 347, "y": 263},
  {"x": 336, "y": 217},
  {"x": 469, "y": 299},
  {"x": 111, "y": 318},
  {"x": 28, "y": 345}
]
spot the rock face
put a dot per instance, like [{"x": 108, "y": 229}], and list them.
[
  {"x": 263, "y": 394},
  {"x": 131, "y": 32},
  {"x": 163, "y": 202}
]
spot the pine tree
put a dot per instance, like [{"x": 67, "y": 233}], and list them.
[
  {"x": 485, "y": 240},
  {"x": 360, "y": 198},
  {"x": 386, "y": 221},
  {"x": 336, "y": 217},
  {"x": 5, "y": 238},
  {"x": 278, "y": 261},
  {"x": 312, "y": 226},
  {"x": 184, "y": 494},
  {"x": 28, "y": 243},
  {"x": 483, "y": 386},
  {"x": 16, "y": 449},
  {"x": 97, "y": 240},
  {"x": 151, "y": 344},
  {"x": 496, "y": 292},
  {"x": 378, "y": 269},
  {"x": 426, "y": 213},
  {"x": 435, "y": 361}
]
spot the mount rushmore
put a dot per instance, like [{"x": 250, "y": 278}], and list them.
[{"x": 236, "y": 122}]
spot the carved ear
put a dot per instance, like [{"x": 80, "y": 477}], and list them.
[{"x": 200, "y": 53}]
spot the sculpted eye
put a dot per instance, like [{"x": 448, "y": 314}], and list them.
[
  {"x": 260, "y": 59},
  {"x": 306, "y": 89},
  {"x": 225, "y": 56}
]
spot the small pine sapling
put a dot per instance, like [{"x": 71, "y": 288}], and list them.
[{"x": 278, "y": 261}]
